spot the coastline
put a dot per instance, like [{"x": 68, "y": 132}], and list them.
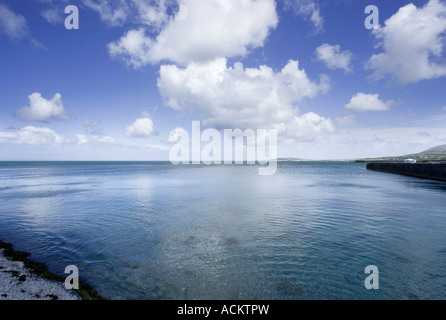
[
  {"x": 25, "y": 279},
  {"x": 425, "y": 170}
]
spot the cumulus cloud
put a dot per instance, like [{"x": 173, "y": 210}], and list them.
[
  {"x": 200, "y": 31},
  {"x": 333, "y": 57},
  {"x": 42, "y": 110},
  {"x": 134, "y": 48},
  {"x": 362, "y": 102},
  {"x": 36, "y": 136},
  {"x": 152, "y": 13},
  {"x": 411, "y": 40},
  {"x": 236, "y": 96},
  {"x": 308, "y": 126},
  {"x": 12, "y": 24},
  {"x": 141, "y": 128}
]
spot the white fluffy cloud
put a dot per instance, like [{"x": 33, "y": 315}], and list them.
[
  {"x": 333, "y": 57},
  {"x": 236, "y": 96},
  {"x": 36, "y": 136},
  {"x": 134, "y": 47},
  {"x": 13, "y": 25},
  {"x": 198, "y": 39},
  {"x": 411, "y": 39},
  {"x": 201, "y": 31},
  {"x": 308, "y": 126},
  {"x": 141, "y": 128},
  {"x": 362, "y": 102},
  {"x": 152, "y": 13},
  {"x": 43, "y": 110}
]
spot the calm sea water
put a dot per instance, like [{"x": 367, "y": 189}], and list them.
[{"x": 157, "y": 231}]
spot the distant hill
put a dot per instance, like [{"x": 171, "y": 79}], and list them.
[
  {"x": 437, "y": 153},
  {"x": 439, "y": 150},
  {"x": 292, "y": 159}
]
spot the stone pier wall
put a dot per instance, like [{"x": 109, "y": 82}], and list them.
[{"x": 435, "y": 171}]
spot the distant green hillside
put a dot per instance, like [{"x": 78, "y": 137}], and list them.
[{"x": 433, "y": 154}]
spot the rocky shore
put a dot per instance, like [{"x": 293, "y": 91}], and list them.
[
  {"x": 24, "y": 279},
  {"x": 18, "y": 283}
]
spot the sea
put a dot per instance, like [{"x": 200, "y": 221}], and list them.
[{"x": 158, "y": 231}]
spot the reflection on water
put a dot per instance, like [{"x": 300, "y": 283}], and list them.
[
  {"x": 157, "y": 231},
  {"x": 429, "y": 184}
]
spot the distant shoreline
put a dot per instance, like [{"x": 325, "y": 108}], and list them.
[{"x": 167, "y": 162}]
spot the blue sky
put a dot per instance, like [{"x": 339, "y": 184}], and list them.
[{"x": 135, "y": 71}]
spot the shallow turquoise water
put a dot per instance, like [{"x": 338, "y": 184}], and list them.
[{"x": 141, "y": 230}]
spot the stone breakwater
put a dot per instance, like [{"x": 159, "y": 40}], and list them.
[{"x": 428, "y": 170}]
